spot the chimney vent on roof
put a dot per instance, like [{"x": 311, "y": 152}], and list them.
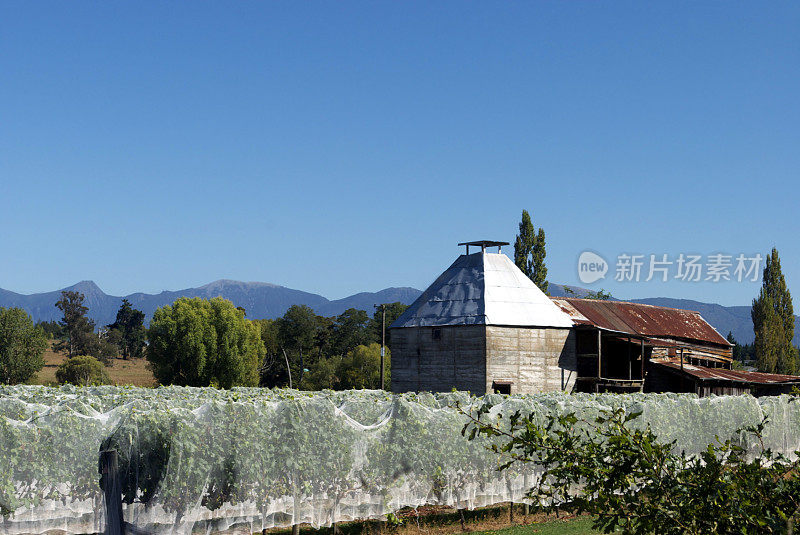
[{"x": 483, "y": 244}]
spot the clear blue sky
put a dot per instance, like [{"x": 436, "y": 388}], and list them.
[{"x": 340, "y": 147}]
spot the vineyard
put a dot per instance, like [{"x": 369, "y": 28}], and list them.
[{"x": 209, "y": 460}]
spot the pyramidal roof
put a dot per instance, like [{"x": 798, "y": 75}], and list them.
[{"x": 483, "y": 289}]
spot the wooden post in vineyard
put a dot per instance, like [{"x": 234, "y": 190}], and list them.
[{"x": 112, "y": 492}]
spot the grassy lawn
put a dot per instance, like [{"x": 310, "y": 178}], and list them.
[
  {"x": 574, "y": 526},
  {"x": 439, "y": 520},
  {"x": 121, "y": 372}
]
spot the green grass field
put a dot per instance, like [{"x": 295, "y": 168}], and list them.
[
  {"x": 445, "y": 521},
  {"x": 575, "y": 526}
]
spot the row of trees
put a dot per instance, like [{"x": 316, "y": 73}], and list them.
[
  {"x": 741, "y": 352},
  {"x": 308, "y": 342},
  {"x": 76, "y": 334},
  {"x": 200, "y": 342}
]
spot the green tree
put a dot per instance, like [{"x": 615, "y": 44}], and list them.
[
  {"x": 393, "y": 311},
  {"x": 350, "y": 330},
  {"x": 741, "y": 352},
  {"x": 130, "y": 326},
  {"x": 51, "y": 328},
  {"x": 22, "y": 346},
  {"x": 324, "y": 339},
  {"x": 323, "y": 374},
  {"x": 272, "y": 370},
  {"x": 539, "y": 269},
  {"x": 269, "y": 335},
  {"x": 76, "y": 326},
  {"x": 530, "y": 252},
  {"x": 297, "y": 334},
  {"x": 82, "y": 370},
  {"x": 599, "y": 295},
  {"x": 359, "y": 368},
  {"x": 773, "y": 321},
  {"x": 103, "y": 345},
  {"x": 199, "y": 342},
  {"x": 79, "y": 336}
]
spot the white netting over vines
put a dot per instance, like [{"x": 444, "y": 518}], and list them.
[{"x": 207, "y": 460}]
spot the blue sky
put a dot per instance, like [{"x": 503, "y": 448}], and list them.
[{"x": 341, "y": 147}]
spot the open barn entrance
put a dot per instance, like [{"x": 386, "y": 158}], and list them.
[{"x": 610, "y": 362}]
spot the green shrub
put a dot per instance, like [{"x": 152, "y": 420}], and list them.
[
  {"x": 204, "y": 342},
  {"x": 82, "y": 370}
]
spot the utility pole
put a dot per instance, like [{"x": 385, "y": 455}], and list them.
[{"x": 383, "y": 341}]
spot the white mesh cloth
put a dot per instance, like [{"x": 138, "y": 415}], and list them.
[{"x": 206, "y": 460}]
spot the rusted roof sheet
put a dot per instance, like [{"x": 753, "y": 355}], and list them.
[
  {"x": 640, "y": 319},
  {"x": 721, "y": 374}
]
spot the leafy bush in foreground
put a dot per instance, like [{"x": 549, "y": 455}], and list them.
[{"x": 635, "y": 484}]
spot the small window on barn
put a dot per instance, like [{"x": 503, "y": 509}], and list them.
[
  {"x": 501, "y": 388},
  {"x": 436, "y": 333}
]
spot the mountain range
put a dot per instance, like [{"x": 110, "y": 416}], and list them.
[
  {"x": 259, "y": 299},
  {"x": 263, "y": 300}
]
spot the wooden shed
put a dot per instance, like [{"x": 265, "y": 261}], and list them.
[
  {"x": 676, "y": 375},
  {"x": 483, "y": 326},
  {"x": 617, "y": 342}
]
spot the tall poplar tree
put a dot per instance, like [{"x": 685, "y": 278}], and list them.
[
  {"x": 773, "y": 321},
  {"x": 529, "y": 252},
  {"x": 539, "y": 271}
]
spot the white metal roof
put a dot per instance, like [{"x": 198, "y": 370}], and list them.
[{"x": 483, "y": 289}]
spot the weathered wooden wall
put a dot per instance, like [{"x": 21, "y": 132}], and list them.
[
  {"x": 532, "y": 359},
  {"x": 697, "y": 350},
  {"x": 421, "y": 362},
  {"x": 473, "y": 357}
]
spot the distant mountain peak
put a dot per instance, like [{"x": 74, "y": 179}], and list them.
[
  {"x": 265, "y": 300},
  {"x": 86, "y": 287},
  {"x": 226, "y": 283}
]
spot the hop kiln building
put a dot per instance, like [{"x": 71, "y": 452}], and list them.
[{"x": 484, "y": 326}]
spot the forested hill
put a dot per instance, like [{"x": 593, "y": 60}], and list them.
[{"x": 264, "y": 300}]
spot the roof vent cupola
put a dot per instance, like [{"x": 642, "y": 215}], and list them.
[{"x": 483, "y": 244}]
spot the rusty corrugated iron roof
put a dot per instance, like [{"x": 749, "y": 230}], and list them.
[
  {"x": 640, "y": 319},
  {"x": 721, "y": 374}
]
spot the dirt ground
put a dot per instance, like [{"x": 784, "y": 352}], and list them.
[
  {"x": 122, "y": 372},
  {"x": 436, "y": 520}
]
